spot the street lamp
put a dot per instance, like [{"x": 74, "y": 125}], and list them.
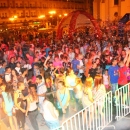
[
  {"x": 13, "y": 19},
  {"x": 52, "y": 13},
  {"x": 65, "y": 14},
  {"x": 41, "y": 16},
  {"x": 15, "y": 16}
]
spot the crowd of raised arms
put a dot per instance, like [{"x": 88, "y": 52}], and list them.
[{"x": 43, "y": 76}]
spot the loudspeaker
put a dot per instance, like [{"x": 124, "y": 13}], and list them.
[{"x": 4, "y": 122}]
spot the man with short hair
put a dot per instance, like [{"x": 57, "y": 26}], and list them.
[
  {"x": 41, "y": 91},
  {"x": 113, "y": 75},
  {"x": 93, "y": 71}
]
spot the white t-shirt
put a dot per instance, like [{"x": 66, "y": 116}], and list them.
[
  {"x": 105, "y": 79},
  {"x": 41, "y": 88},
  {"x": 7, "y": 77},
  {"x": 28, "y": 66},
  {"x": 71, "y": 56},
  {"x": 46, "y": 112},
  {"x": 81, "y": 64},
  {"x": 18, "y": 70}
]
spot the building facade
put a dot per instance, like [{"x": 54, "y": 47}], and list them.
[
  {"x": 110, "y": 10},
  {"x": 30, "y": 10}
]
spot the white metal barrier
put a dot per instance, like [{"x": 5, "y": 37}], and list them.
[
  {"x": 122, "y": 96},
  {"x": 95, "y": 117}
]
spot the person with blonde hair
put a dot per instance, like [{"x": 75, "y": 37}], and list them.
[
  {"x": 99, "y": 95},
  {"x": 32, "y": 109},
  {"x": 99, "y": 87},
  {"x": 8, "y": 104},
  {"x": 70, "y": 83},
  {"x": 87, "y": 98},
  {"x": 63, "y": 98},
  {"x": 78, "y": 93}
]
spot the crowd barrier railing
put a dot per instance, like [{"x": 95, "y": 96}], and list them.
[
  {"x": 95, "y": 117},
  {"x": 122, "y": 101}
]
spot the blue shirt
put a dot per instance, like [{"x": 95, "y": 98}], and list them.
[
  {"x": 2, "y": 70},
  {"x": 47, "y": 51},
  {"x": 113, "y": 73},
  {"x": 75, "y": 63}
]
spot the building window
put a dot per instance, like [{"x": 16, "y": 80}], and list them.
[
  {"x": 16, "y": 5},
  {"x": 31, "y": 13},
  {"x": 26, "y": 5},
  {"x": 116, "y": 2},
  {"x": 21, "y": 14},
  {"x": 20, "y": 4},
  {"x": 34, "y": 5},
  {"x": 2, "y": 15},
  {"x": 6, "y": 15},
  {"x": 4, "y": 5},
  {"x": 103, "y": 1},
  {"x": 26, "y": 13}
]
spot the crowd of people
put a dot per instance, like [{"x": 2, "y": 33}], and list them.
[{"x": 44, "y": 78}]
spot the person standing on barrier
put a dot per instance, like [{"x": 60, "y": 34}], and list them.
[{"x": 113, "y": 73}]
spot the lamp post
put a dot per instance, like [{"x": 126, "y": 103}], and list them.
[
  {"x": 41, "y": 17},
  {"x": 52, "y": 13}
]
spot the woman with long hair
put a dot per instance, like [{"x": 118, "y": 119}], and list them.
[
  {"x": 14, "y": 76},
  {"x": 87, "y": 98},
  {"x": 19, "y": 105},
  {"x": 8, "y": 104},
  {"x": 32, "y": 109},
  {"x": 63, "y": 97},
  {"x": 99, "y": 87},
  {"x": 99, "y": 92},
  {"x": 78, "y": 93},
  {"x": 70, "y": 83}
]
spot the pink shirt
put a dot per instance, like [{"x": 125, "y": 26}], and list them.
[
  {"x": 30, "y": 60},
  {"x": 57, "y": 64}
]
